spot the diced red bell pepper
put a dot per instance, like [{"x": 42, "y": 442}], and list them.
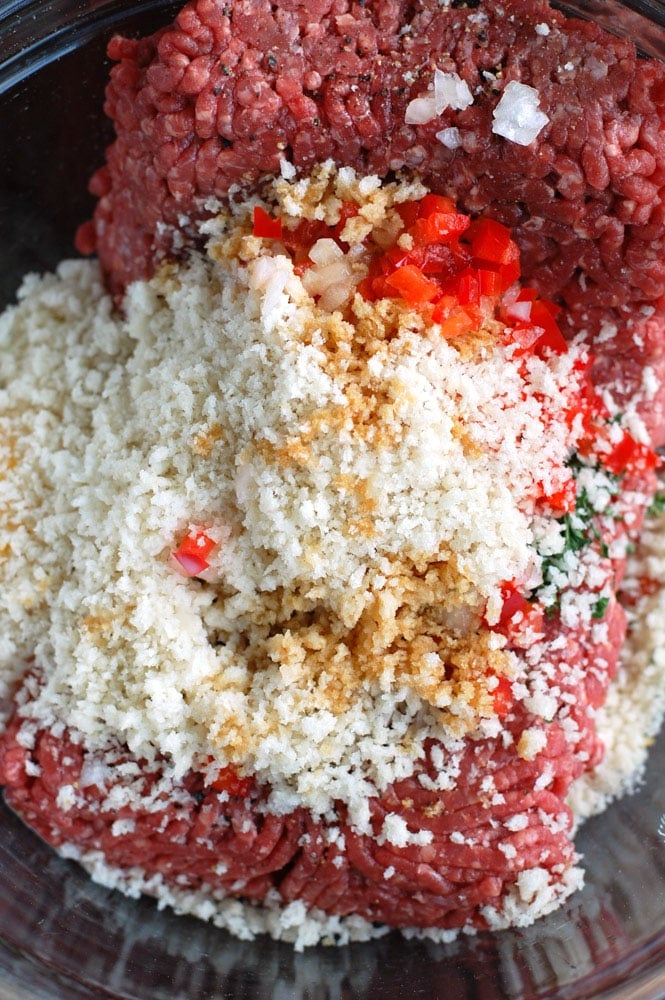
[
  {"x": 552, "y": 339},
  {"x": 489, "y": 283},
  {"x": 503, "y": 697},
  {"x": 514, "y": 601},
  {"x": 432, "y": 203},
  {"x": 491, "y": 242},
  {"x": 510, "y": 272},
  {"x": 592, "y": 411},
  {"x": 531, "y": 295},
  {"x": 534, "y": 328},
  {"x": 445, "y": 306},
  {"x": 265, "y": 226},
  {"x": 193, "y": 552},
  {"x": 412, "y": 285},
  {"x": 348, "y": 210},
  {"x": 468, "y": 288},
  {"x": 365, "y": 289},
  {"x": 563, "y": 501},
  {"x": 228, "y": 780},
  {"x": 519, "y": 617},
  {"x": 439, "y": 227},
  {"x": 408, "y": 212},
  {"x": 524, "y": 336},
  {"x": 459, "y": 321},
  {"x": 301, "y": 239},
  {"x": 432, "y": 258},
  {"x": 630, "y": 455}
]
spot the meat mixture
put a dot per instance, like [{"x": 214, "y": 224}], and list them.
[{"x": 329, "y": 490}]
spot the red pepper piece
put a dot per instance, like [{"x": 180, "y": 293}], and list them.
[
  {"x": 266, "y": 226},
  {"x": 365, "y": 289},
  {"x": 552, "y": 338},
  {"x": 445, "y": 307},
  {"x": 510, "y": 272},
  {"x": 459, "y": 321},
  {"x": 373, "y": 288},
  {"x": 304, "y": 236},
  {"x": 412, "y": 285},
  {"x": 348, "y": 210},
  {"x": 514, "y": 601},
  {"x": 630, "y": 455},
  {"x": 503, "y": 697},
  {"x": 519, "y": 617},
  {"x": 491, "y": 242},
  {"x": 433, "y": 258},
  {"x": 408, "y": 212},
  {"x": 468, "y": 288},
  {"x": 489, "y": 282},
  {"x": 524, "y": 336},
  {"x": 564, "y": 500},
  {"x": 552, "y": 341},
  {"x": 438, "y": 227},
  {"x": 228, "y": 780},
  {"x": 432, "y": 203},
  {"x": 193, "y": 552}
]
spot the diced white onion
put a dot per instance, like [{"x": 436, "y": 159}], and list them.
[
  {"x": 318, "y": 279},
  {"x": 451, "y": 138},
  {"x": 517, "y": 116},
  {"x": 460, "y": 619},
  {"x": 325, "y": 251},
  {"x": 287, "y": 169},
  {"x": 421, "y": 110},
  {"x": 451, "y": 91},
  {"x": 337, "y": 295},
  {"x": 520, "y": 311},
  {"x": 260, "y": 272}
]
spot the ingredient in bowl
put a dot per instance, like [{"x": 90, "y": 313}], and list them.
[{"x": 316, "y": 554}]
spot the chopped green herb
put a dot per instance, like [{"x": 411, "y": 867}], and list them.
[
  {"x": 600, "y": 607},
  {"x": 580, "y": 529},
  {"x": 657, "y": 506}
]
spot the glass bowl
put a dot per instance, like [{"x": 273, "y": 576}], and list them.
[{"x": 61, "y": 936}]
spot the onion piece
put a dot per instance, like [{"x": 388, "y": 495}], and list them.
[
  {"x": 517, "y": 116},
  {"x": 325, "y": 251}
]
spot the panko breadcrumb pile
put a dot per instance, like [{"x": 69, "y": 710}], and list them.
[{"x": 365, "y": 487}]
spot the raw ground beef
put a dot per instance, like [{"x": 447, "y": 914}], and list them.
[
  {"x": 230, "y": 89},
  {"x": 442, "y": 884},
  {"x": 227, "y": 842}
]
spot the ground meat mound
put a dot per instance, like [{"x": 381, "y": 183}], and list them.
[
  {"x": 231, "y": 88},
  {"x": 506, "y": 814},
  {"x": 221, "y": 97}
]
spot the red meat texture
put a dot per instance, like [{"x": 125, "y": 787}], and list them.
[
  {"x": 201, "y": 838},
  {"x": 230, "y": 89}
]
